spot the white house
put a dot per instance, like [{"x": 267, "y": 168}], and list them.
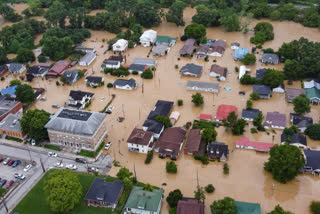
[
  {"x": 87, "y": 59},
  {"x": 79, "y": 99},
  {"x": 125, "y": 84},
  {"x": 110, "y": 64},
  {"x": 148, "y": 38},
  {"x": 120, "y": 46},
  {"x": 242, "y": 71},
  {"x": 140, "y": 141},
  {"x": 279, "y": 89},
  {"x": 235, "y": 45}
]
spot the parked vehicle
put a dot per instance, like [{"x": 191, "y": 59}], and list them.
[
  {"x": 109, "y": 110},
  {"x": 9, "y": 184},
  {"x": 16, "y": 163},
  {"x": 52, "y": 154},
  {"x": 43, "y": 98},
  {"x": 1, "y": 159},
  {"x": 71, "y": 166},
  {"x": 3, "y": 182},
  {"x": 19, "y": 176},
  {"x": 81, "y": 160},
  {"x": 27, "y": 168},
  {"x": 93, "y": 169},
  {"x": 59, "y": 164},
  {"x": 10, "y": 162},
  {"x": 6, "y": 161},
  {"x": 107, "y": 146}
]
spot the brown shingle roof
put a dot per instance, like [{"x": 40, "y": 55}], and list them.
[
  {"x": 292, "y": 93},
  {"x": 193, "y": 141},
  {"x": 219, "y": 70},
  {"x": 59, "y": 67},
  {"x": 219, "y": 43},
  {"x": 140, "y": 137},
  {"x": 190, "y": 206},
  {"x": 217, "y": 49},
  {"x": 188, "y": 47},
  {"x": 171, "y": 139}
]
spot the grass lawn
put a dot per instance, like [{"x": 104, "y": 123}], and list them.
[
  {"x": 2, "y": 191},
  {"x": 53, "y": 147},
  {"x": 35, "y": 200}
]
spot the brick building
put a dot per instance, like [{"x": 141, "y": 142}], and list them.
[{"x": 9, "y": 105}]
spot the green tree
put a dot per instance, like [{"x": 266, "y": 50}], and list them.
[
  {"x": 195, "y": 31},
  {"x": 63, "y": 79},
  {"x": 175, "y": 13},
  {"x": 275, "y": 15},
  {"x": 173, "y": 198},
  {"x": 25, "y": 55},
  {"x": 148, "y": 187},
  {"x": 197, "y": 99},
  {"x": 33, "y": 122},
  {"x": 209, "y": 135},
  {"x": 289, "y": 50},
  {"x": 288, "y": 11},
  {"x": 260, "y": 9},
  {"x": 166, "y": 3},
  {"x": 231, "y": 120},
  {"x": 224, "y": 206},
  {"x": 315, "y": 207},
  {"x": 266, "y": 28},
  {"x": 258, "y": 122},
  {"x": 292, "y": 69},
  {"x": 238, "y": 128},
  {"x": 147, "y": 14},
  {"x": 63, "y": 191},
  {"x": 127, "y": 182},
  {"x": 273, "y": 78},
  {"x": 171, "y": 167},
  {"x": 301, "y": 104},
  {"x": 57, "y": 48},
  {"x": 199, "y": 194},
  {"x": 9, "y": 14},
  {"x": 3, "y": 56},
  {"x": 206, "y": 16},
  {"x": 147, "y": 74},
  {"x": 15, "y": 82},
  {"x": 231, "y": 22},
  {"x": 247, "y": 80},
  {"x": 225, "y": 168},
  {"x": 124, "y": 173},
  {"x": 209, "y": 188},
  {"x": 313, "y": 131},
  {"x": 80, "y": 73},
  {"x": 249, "y": 59},
  {"x": 254, "y": 96},
  {"x": 249, "y": 104},
  {"x": 279, "y": 210},
  {"x": 311, "y": 17},
  {"x": 285, "y": 162},
  {"x": 164, "y": 120},
  {"x": 56, "y": 14},
  {"x": 25, "y": 94}
]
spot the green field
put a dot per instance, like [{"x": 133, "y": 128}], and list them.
[
  {"x": 35, "y": 200},
  {"x": 2, "y": 191}
]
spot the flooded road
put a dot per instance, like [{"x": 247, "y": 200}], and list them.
[{"x": 247, "y": 180}]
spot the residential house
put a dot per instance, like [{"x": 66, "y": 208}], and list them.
[
  {"x": 36, "y": 71},
  {"x": 263, "y": 91},
  {"x": 296, "y": 139},
  {"x": 146, "y": 62},
  {"x": 120, "y": 46},
  {"x": 94, "y": 81},
  {"x": 219, "y": 72},
  {"x": 249, "y": 114},
  {"x": 81, "y": 48},
  {"x": 206, "y": 117},
  {"x": 215, "y": 51},
  {"x": 260, "y": 73},
  {"x": 193, "y": 142},
  {"x": 124, "y": 84},
  {"x": 170, "y": 142},
  {"x": 279, "y": 89},
  {"x": 202, "y": 51},
  {"x": 137, "y": 67},
  {"x": 148, "y": 38},
  {"x": 188, "y": 47},
  {"x": 79, "y": 99},
  {"x": 120, "y": 58},
  {"x": 300, "y": 122},
  {"x": 162, "y": 108},
  {"x": 223, "y": 111},
  {"x": 104, "y": 194},
  {"x": 71, "y": 76},
  {"x": 87, "y": 59},
  {"x": 247, "y": 208},
  {"x": 270, "y": 58},
  {"x": 9, "y": 91},
  {"x": 245, "y": 143},
  {"x": 292, "y": 93},
  {"x": 203, "y": 86},
  {"x": 10, "y": 126},
  {"x": 242, "y": 71},
  {"x": 313, "y": 94},
  {"x": 16, "y": 68},
  {"x": 110, "y": 64},
  {"x": 190, "y": 206},
  {"x": 77, "y": 129},
  {"x": 160, "y": 50},
  {"x": 174, "y": 116},
  {"x": 9, "y": 105},
  {"x": 312, "y": 84},
  {"x": 312, "y": 158},
  {"x": 166, "y": 40},
  {"x": 235, "y": 45},
  {"x": 240, "y": 53},
  {"x": 191, "y": 69},
  {"x": 275, "y": 120},
  {"x": 217, "y": 150},
  {"x": 140, "y": 141},
  {"x": 38, "y": 93},
  {"x": 44, "y": 64},
  {"x": 143, "y": 202},
  {"x": 219, "y": 43},
  {"x": 58, "y": 68},
  {"x": 3, "y": 70}
]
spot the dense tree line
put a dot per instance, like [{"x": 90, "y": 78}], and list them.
[{"x": 9, "y": 14}]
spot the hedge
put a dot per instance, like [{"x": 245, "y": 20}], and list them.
[
  {"x": 53, "y": 147},
  {"x": 14, "y": 139}
]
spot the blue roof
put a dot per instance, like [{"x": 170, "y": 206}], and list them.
[
  {"x": 11, "y": 90},
  {"x": 240, "y": 53}
]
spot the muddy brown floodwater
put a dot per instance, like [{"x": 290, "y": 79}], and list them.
[{"x": 247, "y": 180}]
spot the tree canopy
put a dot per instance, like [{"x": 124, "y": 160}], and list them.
[
  {"x": 237, "y": 126},
  {"x": 175, "y": 13},
  {"x": 249, "y": 59},
  {"x": 209, "y": 135},
  {"x": 195, "y": 31},
  {"x": 313, "y": 131},
  {"x": 279, "y": 210},
  {"x": 25, "y": 55},
  {"x": 224, "y": 206},
  {"x": 9, "y": 14},
  {"x": 63, "y": 190},
  {"x": 285, "y": 162},
  {"x": 301, "y": 104},
  {"x": 199, "y": 194},
  {"x": 173, "y": 197},
  {"x": 197, "y": 99},
  {"x": 273, "y": 78},
  {"x": 263, "y": 31},
  {"x": 25, "y": 94}
]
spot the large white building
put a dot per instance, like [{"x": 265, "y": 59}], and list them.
[
  {"x": 120, "y": 46},
  {"x": 148, "y": 38},
  {"x": 140, "y": 141}
]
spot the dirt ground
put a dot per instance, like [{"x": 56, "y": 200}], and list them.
[{"x": 247, "y": 180}]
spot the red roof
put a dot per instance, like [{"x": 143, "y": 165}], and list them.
[
  {"x": 205, "y": 117},
  {"x": 258, "y": 146},
  {"x": 58, "y": 68},
  {"x": 224, "y": 110}
]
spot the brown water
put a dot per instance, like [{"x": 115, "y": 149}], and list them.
[{"x": 247, "y": 180}]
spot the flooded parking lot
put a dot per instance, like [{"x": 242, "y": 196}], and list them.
[{"x": 247, "y": 180}]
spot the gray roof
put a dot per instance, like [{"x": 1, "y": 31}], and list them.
[
  {"x": 295, "y": 138},
  {"x": 111, "y": 62},
  {"x": 292, "y": 93},
  {"x": 88, "y": 57},
  {"x": 188, "y": 47},
  {"x": 276, "y": 118},
  {"x": 123, "y": 82},
  {"x": 191, "y": 68},
  {"x": 301, "y": 121},
  {"x": 312, "y": 159},
  {"x": 15, "y": 67},
  {"x": 107, "y": 192},
  {"x": 160, "y": 49},
  {"x": 76, "y": 121},
  {"x": 262, "y": 90},
  {"x": 270, "y": 58},
  {"x": 94, "y": 79},
  {"x": 153, "y": 126},
  {"x": 6, "y": 104},
  {"x": 11, "y": 123},
  {"x": 260, "y": 73},
  {"x": 203, "y": 85},
  {"x": 71, "y": 75},
  {"x": 217, "y": 149},
  {"x": 235, "y": 44},
  {"x": 137, "y": 67},
  {"x": 78, "y": 95},
  {"x": 80, "y": 47},
  {"x": 143, "y": 61},
  {"x": 250, "y": 113}
]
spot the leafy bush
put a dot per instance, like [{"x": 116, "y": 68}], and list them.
[
  {"x": 209, "y": 188},
  {"x": 42, "y": 59},
  {"x": 122, "y": 71},
  {"x": 253, "y": 131},
  {"x": 315, "y": 207},
  {"x": 203, "y": 158},
  {"x": 225, "y": 169},
  {"x": 109, "y": 85},
  {"x": 147, "y": 74},
  {"x": 171, "y": 167},
  {"x": 173, "y": 198},
  {"x": 149, "y": 157},
  {"x": 135, "y": 72},
  {"x": 180, "y": 102},
  {"x": 14, "y": 139}
]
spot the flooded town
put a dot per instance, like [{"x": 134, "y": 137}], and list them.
[{"x": 246, "y": 180}]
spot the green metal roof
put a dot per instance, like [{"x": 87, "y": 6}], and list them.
[
  {"x": 164, "y": 39},
  {"x": 312, "y": 93},
  {"x": 144, "y": 200},
  {"x": 247, "y": 208}
]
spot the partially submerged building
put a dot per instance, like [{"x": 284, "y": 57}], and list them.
[
  {"x": 140, "y": 141},
  {"x": 202, "y": 86}
]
